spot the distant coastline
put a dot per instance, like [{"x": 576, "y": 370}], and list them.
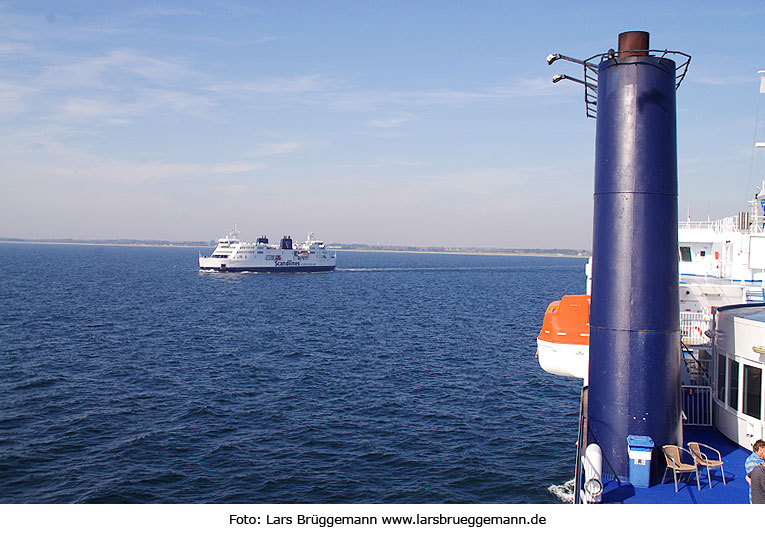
[
  {"x": 137, "y": 243},
  {"x": 474, "y": 251},
  {"x": 333, "y": 246}
]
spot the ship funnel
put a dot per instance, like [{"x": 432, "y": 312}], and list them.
[
  {"x": 635, "y": 309},
  {"x": 634, "y": 369}
]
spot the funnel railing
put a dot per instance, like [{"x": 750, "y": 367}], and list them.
[{"x": 590, "y": 68}]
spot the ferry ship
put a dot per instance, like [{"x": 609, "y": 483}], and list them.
[
  {"x": 234, "y": 255},
  {"x": 668, "y": 338}
]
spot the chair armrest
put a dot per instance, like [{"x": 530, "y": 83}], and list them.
[{"x": 719, "y": 456}]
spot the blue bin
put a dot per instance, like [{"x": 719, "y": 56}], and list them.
[{"x": 639, "y": 449}]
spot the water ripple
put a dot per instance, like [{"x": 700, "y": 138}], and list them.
[{"x": 129, "y": 376}]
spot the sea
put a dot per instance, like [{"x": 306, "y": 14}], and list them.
[{"x": 129, "y": 376}]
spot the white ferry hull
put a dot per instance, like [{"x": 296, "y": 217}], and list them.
[{"x": 244, "y": 268}]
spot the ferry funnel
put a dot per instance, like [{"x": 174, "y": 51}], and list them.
[
  {"x": 634, "y": 349},
  {"x": 634, "y": 372}
]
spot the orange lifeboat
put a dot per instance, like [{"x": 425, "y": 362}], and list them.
[{"x": 563, "y": 345}]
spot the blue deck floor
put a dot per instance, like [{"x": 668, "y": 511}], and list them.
[{"x": 735, "y": 492}]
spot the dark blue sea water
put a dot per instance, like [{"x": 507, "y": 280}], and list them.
[{"x": 126, "y": 375}]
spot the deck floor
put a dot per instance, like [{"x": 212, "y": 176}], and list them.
[{"x": 736, "y": 490}]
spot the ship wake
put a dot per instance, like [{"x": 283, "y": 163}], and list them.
[{"x": 564, "y": 492}]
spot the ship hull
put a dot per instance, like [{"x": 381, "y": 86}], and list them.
[{"x": 279, "y": 269}]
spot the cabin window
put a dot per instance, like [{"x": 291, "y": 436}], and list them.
[
  {"x": 685, "y": 254},
  {"x": 733, "y": 384},
  {"x": 752, "y": 391},
  {"x": 702, "y": 253},
  {"x": 721, "y": 377}
]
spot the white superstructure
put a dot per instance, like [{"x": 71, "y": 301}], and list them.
[
  {"x": 723, "y": 261},
  {"x": 233, "y": 255}
]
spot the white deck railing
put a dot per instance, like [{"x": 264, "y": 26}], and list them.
[
  {"x": 697, "y": 404},
  {"x": 693, "y": 328}
]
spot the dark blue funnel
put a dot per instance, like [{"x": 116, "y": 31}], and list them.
[{"x": 634, "y": 378}]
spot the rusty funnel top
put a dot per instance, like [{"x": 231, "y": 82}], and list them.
[{"x": 633, "y": 41}]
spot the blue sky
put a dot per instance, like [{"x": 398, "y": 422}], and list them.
[{"x": 410, "y": 123}]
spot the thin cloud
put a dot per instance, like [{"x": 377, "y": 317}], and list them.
[
  {"x": 96, "y": 71},
  {"x": 229, "y": 168},
  {"x": 124, "y": 110},
  {"x": 87, "y": 108},
  {"x": 730, "y": 80},
  {"x": 15, "y": 49},
  {"x": 166, "y": 12},
  {"x": 13, "y": 98},
  {"x": 393, "y": 121},
  {"x": 51, "y": 161},
  {"x": 278, "y": 85},
  {"x": 233, "y": 189},
  {"x": 380, "y": 164},
  {"x": 524, "y": 88},
  {"x": 271, "y": 149}
]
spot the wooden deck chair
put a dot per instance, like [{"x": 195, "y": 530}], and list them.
[
  {"x": 703, "y": 460},
  {"x": 672, "y": 454}
]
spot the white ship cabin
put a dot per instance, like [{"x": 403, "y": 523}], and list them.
[
  {"x": 732, "y": 248},
  {"x": 722, "y": 262},
  {"x": 227, "y": 245},
  {"x": 739, "y": 358},
  {"x": 230, "y": 247},
  {"x": 312, "y": 245}
]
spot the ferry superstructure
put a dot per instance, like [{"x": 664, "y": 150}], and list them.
[
  {"x": 723, "y": 261},
  {"x": 233, "y": 255}
]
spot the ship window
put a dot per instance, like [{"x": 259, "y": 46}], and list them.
[
  {"x": 752, "y": 391},
  {"x": 733, "y": 384},
  {"x": 702, "y": 253},
  {"x": 721, "y": 377},
  {"x": 685, "y": 254}
]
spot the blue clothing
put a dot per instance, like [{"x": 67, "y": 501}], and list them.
[{"x": 751, "y": 462}]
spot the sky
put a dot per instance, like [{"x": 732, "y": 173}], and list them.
[{"x": 392, "y": 123}]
